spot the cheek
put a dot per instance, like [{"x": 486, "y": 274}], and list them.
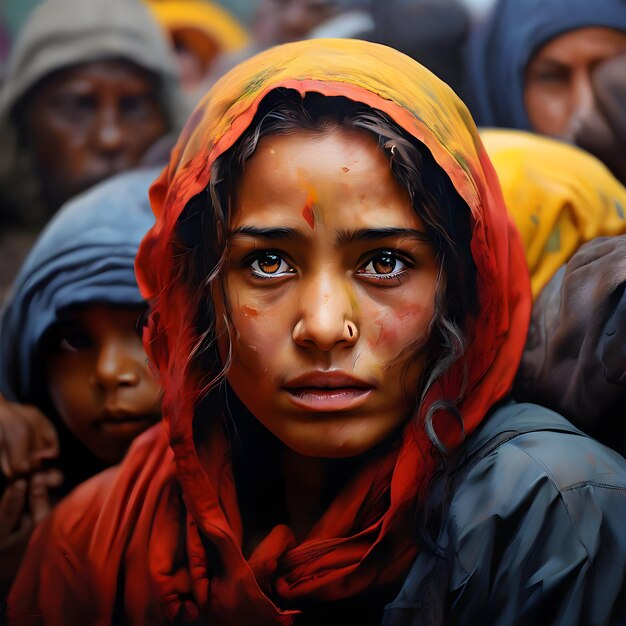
[
  {"x": 260, "y": 338},
  {"x": 403, "y": 321},
  {"x": 548, "y": 110},
  {"x": 143, "y": 135},
  {"x": 69, "y": 388},
  {"x": 402, "y": 327}
]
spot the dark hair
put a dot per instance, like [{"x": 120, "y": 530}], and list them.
[{"x": 201, "y": 236}]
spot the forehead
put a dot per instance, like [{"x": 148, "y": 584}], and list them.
[
  {"x": 106, "y": 70},
  {"x": 583, "y": 44},
  {"x": 99, "y": 314},
  {"x": 342, "y": 173}
]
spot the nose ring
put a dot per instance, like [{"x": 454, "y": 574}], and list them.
[{"x": 351, "y": 330}]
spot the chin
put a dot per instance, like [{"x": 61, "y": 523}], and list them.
[{"x": 342, "y": 445}]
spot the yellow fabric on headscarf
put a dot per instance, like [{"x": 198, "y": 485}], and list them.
[
  {"x": 559, "y": 196},
  {"x": 206, "y": 18}
]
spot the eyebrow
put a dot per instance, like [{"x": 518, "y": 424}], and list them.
[
  {"x": 374, "y": 234},
  {"x": 343, "y": 236},
  {"x": 268, "y": 233}
]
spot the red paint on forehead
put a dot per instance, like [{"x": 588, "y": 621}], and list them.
[{"x": 307, "y": 212}]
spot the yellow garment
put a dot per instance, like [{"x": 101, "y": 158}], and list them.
[
  {"x": 559, "y": 196},
  {"x": 197, "y": 20}
]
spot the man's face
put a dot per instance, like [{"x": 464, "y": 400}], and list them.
[
  {"x": 89, "y": 122},
  {"x": 559, "y": 92}
]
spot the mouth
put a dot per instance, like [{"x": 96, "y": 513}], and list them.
[
  {"x": 328, "y": 391},
  {"x": 124, "y": 424}
]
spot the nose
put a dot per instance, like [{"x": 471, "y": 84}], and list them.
[
  {"x": 115, "y": 367},
  {"x": 584, "y": 104},
  {"x": 109, "y": 134},
  {"x": 328, "y": 316}
]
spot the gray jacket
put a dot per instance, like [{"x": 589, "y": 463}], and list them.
[{"x": 533, "y": 530}]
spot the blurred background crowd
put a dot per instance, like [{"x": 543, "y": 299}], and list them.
[{"x": 77, "y": 76}]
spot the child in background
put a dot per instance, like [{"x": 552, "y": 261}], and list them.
[
  {"x": 76, "y": 387},
  {"x": 339, "y": 304}
]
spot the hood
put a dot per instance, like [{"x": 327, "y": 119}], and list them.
[
  {"x": 513, "y": 32},
  {"x": 575, "y": 357},
  {"x": 207, "y": 18},
  {"x": 85, "y": 255},
  {"x": 428, "y": 110},
  {"x": 62, "y": 33},
  {"x": 559, "y": 196}
]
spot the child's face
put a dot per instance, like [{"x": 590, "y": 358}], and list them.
[
  {"x": 330, "y": 288},
  {"x": 99, "y": 379}
]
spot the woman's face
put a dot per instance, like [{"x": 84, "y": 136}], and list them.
[
  {"x": 99, "y": 380},
  {"x": 330, "y": 287},
  {"x": 559, "y": 88}
]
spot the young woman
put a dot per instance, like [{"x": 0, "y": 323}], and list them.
[{"x": 339, "y": 305}]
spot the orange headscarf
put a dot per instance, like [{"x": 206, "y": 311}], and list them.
[{"x": 154, "y": 542}]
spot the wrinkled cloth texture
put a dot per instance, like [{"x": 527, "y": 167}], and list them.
[
  {"x": 59, "y": 34},
  {"x": 575, "y": 357},
  {"x": 513, "y": 32},
  {"x": 533, "y": 531},
  {"x": 159, "y": 540},
  {"x": 84, "y": 255},
  {"x": 559, "y": 196}
]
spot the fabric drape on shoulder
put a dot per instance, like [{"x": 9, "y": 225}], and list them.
[
  {"x": 85, "y": 255},
  {"x": 63, "y": 33},
  {"x": 533, "y": 535},
  {"x": 559, "y": 196},
  {"x": 182, "y": 558},
  {"x": 575, "y": 356},
  {"x": 513, "y": 32}
]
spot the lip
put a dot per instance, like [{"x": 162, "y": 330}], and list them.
[
  {"x": 328, "y": 391},
  {"x": 123, "y": 423}
]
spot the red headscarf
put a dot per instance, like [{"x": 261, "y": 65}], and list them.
[{"x": 166, "y": 504}]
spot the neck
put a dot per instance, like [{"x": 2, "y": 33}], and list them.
[{"x": 305, "y": 481}]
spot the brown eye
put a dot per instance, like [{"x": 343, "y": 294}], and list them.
[
  {"x": 384, "y": 264},
  {"x": 70, "y": 340},
  {"x": 270, "y": 265}
]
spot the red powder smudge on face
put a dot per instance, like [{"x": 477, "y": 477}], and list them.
[
  {"x": 307, "y": 212},
  {"x": 402, "y": 314},
  {"x": 248, "y": 311}
]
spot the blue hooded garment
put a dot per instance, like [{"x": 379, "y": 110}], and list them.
[
  {"x": 513, "y": 33},
  {"x": 85, "y": 255}
]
